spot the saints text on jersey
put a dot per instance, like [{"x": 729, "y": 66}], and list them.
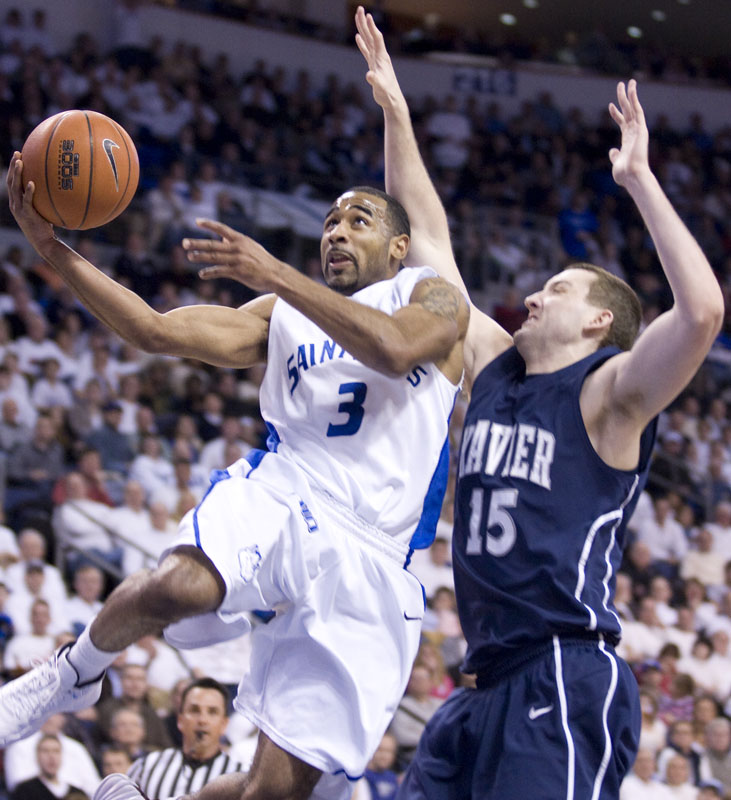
[
  {"x": 518, "y": 451},
  {"x": 314, "y": 353}
]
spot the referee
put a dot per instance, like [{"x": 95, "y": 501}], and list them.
[{"x": 202, "y": 721}]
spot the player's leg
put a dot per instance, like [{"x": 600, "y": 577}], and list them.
[
  {"x": 571, "y": 715},
  {"x": 274, "y": 775},
  {"x": 185, "y": 583},
  {"x": 445, "y": 758}
]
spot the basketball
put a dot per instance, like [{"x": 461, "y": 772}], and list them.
[{"x": 84, "y": 167}]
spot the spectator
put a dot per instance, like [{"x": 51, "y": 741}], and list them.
[
  {"x": 641, "y": 783},
  {"x": 188, "y": 489},
  {"x": 718, "y": 751},
  {"x": 415, "y": 709},
  {"x": 83, "y": 526},
  {"x": 677, "y": 778},
  {"x": 133, "y": 698},
  {"x": 653, "y": 733},
  {"x": 150, "y": 467},
  {"x": 34, "y": 588},
  {"x": 32, "y": 548},
  {"x": 9, "y": 550},
  {"x": 213, "y": 453},
  {"x": 131, "y": 521},
  {"x": 47, "y": 785},
  {"x": 85, "y": 603},
  {"x": 129, "y": 399},
  {"x": 13, "y": 429},
  {"x": 705, "y": 709},
  {"x": 33, "y": 468},
  {"x": 664, "y": 536},
  {"x": 89, "y": 465},
  {"x": 127, "y": 730},
  {"x": 77, "y": 766},
  {"x": 661, "y": 592},
  {"x": 710, "y": 790},
  {"x": 202, "y": 722},
  {"x": 113, "y": 446},
  {"x": 703, "y": 562},
  {"x": 669, "y": 469},
  {"x": 86, "y": 414},
  {"x": 24, "y": 650},
  {"x": 683, "y": 634},
  {"x": 34, "y": 348},
  {"x": 6, "y": 623},
  {"x": 114, "y": 759},
  {"x": 433, "y": 567},
  {"x": 451, "y": 131},
  {"x": 49, "y": 391},
  {"x": 678, "y": 704},
  {"x": 680, "y": 742},
  {"x": 163, "y": 665},
  {"x": 720, "y": 528},
  {"x": 642, "y": 638},
  {"x": 380, "y": 781}
]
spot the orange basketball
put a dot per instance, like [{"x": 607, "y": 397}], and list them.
[{"x": 84, "y": 167}]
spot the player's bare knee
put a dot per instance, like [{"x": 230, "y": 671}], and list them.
[{"x": 183, "y": 585}]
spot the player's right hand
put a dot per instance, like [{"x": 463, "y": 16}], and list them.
[
  {"x": 36, "y": 229},
  {"x": 380, "y": 75}
]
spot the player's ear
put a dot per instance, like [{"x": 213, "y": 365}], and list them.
[
  {"x": 601, "y": 321},
  {"x": 399, "y": 246}
]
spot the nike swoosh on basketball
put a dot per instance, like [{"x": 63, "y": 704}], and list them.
[
  {"x": 534, "y": 713},
  {"x": 108, "y": 144}
]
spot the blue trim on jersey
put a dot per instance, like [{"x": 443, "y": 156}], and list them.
[
  {"x": 254, "y": 457},
  {"x": 349, "y": 777},
  {"x": 426, "y": 530},
  {"x": 273, "y": 439},
  {"x": 216, "y": 476}
]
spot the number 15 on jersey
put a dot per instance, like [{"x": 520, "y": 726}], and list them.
[{"x": 501, "y": 541}]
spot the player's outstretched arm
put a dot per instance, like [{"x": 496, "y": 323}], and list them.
[
  {"x": 217, "y": 335},
  {"x": 408, "y": 180},
  {"x": 670, "y": 350},
  {"x": 406, "y": 175},
  {"x": 429, "y": 329}
]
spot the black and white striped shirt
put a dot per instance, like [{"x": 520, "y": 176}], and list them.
[{"x": 167, "y": 773}]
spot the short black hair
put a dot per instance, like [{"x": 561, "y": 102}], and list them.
[
  {"x": 396, "y": 216},
  {"x": 206, "y": 683}
]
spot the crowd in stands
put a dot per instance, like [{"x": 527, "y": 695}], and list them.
[
  {"x": 591, "y": 51},
  {"x": 103, "y": 448}
]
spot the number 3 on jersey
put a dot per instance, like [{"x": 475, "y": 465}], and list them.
[
  {"x": 498, "y": 516},
  {"x": 353, "y": 408}
]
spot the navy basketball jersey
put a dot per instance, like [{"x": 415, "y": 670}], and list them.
[{"x": 540, "y": 519}]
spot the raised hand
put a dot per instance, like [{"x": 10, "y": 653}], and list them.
[
  {"x": 380, "y": 75},
  {"x": 234, "y": 256},
  {"x": 35, "y": 228},
  {"x": 631, "y": 159}
]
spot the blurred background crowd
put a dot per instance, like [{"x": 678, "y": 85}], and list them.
[{"x": 104, "y": 448}]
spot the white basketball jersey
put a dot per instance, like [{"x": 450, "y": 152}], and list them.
[{"x": 376, "y": 444}]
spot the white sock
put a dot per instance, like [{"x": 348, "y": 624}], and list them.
[{"x": 87, "y": 659}]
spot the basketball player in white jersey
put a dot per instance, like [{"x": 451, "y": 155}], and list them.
[{"x": 361, "y": 379}]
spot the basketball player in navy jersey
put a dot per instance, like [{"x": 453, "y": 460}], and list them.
[
  {"x": 361, "y": 379},
  {"x": 554, "y": 454}
]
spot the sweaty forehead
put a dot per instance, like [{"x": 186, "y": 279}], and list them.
[{"x": 370, "y": 204}]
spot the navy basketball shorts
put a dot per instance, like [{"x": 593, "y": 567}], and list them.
[{"x": 564, "y": 725}]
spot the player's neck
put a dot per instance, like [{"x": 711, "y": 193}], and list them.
[{"x": 542, "y": 358}]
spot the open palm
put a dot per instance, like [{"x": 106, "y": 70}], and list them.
[{"x": 631, "y": 158}]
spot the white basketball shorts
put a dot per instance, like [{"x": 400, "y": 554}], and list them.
[{"x": 329, "y": 670}]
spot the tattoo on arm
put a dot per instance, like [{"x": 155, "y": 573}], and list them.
[{"x": 441, "y": 299}]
